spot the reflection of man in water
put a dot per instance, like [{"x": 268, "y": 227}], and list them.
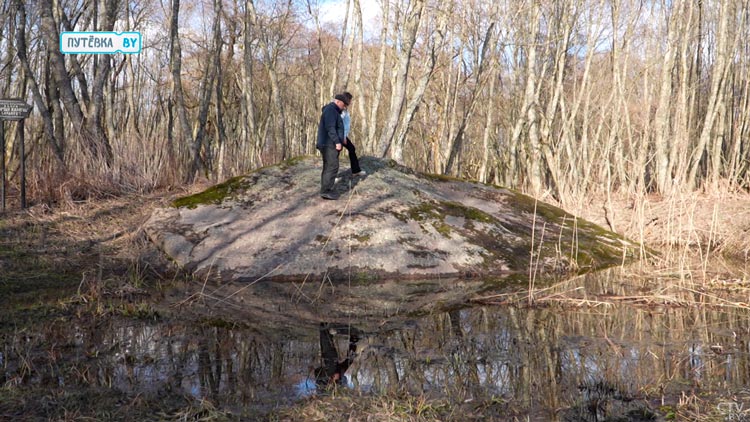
[{"x": 332, "y": 371}]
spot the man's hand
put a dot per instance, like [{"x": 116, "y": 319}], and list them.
[{"x": 338, "y": 147}]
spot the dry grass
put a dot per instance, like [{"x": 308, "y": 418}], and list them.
[
  {"x": 716, "y": 285},
  {"x": 677, "y": 225},
  {"x": 86, "y": 244},
  {"x": 345, "y": 405}
]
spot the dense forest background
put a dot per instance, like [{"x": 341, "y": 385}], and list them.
[{"x": 559, "y": 98}]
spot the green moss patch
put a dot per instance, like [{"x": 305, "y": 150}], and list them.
[
  {"x": 423, "y": 211},
  {"x": 215, "y": 194},
  {"x": 442, "y": 228},
  {"x": 363, "y": 238},
  {"x": 438, "y": 211},
  {"x": 567, "y": 244},
  {"x": 442, "y": 178},
  {"x": 591, "y": 240},
  {"x": 291, "y": 162},
  {"x": 458, "y": 210},
  {"x": 530, "y": 205}
]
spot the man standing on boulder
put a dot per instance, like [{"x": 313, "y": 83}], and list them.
[{"x": 330, "y": 138}]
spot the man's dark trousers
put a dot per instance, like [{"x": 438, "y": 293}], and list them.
[{"x": 330, "y": 168}]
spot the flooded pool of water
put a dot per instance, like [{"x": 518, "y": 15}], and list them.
[{"x": 540, "y": 359}]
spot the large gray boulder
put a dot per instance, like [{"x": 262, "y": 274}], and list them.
[{"x": 392, "y": 223}]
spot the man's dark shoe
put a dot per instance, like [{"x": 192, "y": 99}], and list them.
[{"x": 330, "y": 196}]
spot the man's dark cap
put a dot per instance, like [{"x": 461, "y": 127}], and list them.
[{"x": 342, "y": 98}]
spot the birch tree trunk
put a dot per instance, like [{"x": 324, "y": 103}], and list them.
[
  {"x": 49, "y": 130},
  {"x": 380, "y": 78},
  {"x": 445, "y": 133},
  {"x": 324, "y": 62},
  {"x": 359, "y": 91},
  {"x": 73, "y": 58},
  {"x": 488, "y": 127},
  {"x": 52, "y": 95},
  {"x": 528, "y": 118},
  {"x": 556, "y": 162},
  {"x": 437, "y": 43},
  {"x": 741, "y": 135},
  {"x": 682, "y": 134},
  {"x": 49, "y": 28},
  {"x": 721, "y": 69},
  {"x": 271, "y": 44},
  {"x": 336, "y": 68},
  {"x": 477, "y": 85},
  {"x": 219, "y": 108},
  {"x": 199, "y": 129},
  {"x": 398, "y": 98},
  {"x": 351, "y": 36},
  {"x": 634, "y": 180},
  {"x": 662, "y": 118},
  {"x": 178, "y": 96},
  {"x": 96, "y": 125},
  {"x": 250, "y": 128}
]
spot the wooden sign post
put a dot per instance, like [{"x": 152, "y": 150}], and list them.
[{"x": 13, "y": 109}]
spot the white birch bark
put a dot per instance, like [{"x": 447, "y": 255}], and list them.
[
  {"x": 380, "y": 78},
  {"x": 413, "y": 18}
]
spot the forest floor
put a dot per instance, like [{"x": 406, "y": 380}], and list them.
[{"x": 74, "y": 254}]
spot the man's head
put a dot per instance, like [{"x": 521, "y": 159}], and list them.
[{"x": 343, "y": 100}]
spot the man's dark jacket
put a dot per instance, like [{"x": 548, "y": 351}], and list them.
[{"x": 331, "y": 127}]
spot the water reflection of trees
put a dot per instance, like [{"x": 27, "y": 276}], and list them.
[
  {"x": 542, "y": 358},
  {"x": 535, "y": 358}
]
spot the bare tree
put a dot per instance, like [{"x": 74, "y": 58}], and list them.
[
  {"x": 436, "y": 42},
  {"x": 336, "y": 71},
  {"x": 716, "y": 100},
  {"x": 485, "y": 45},
  {"x": 528, "y": 119},
  {"x": 49, "y": 127},
  {"x": 273, "y": 37},
  {"x": 96, "y": 146},
  {"x": 219, "y": 107},
  {"x": 101, "y": 75},
  {"x": 561, "y": 98},
  {"x": 178, "y": 96},
  {"x": 412, "y": 19},
  {"x": 250, "y": 129}
]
